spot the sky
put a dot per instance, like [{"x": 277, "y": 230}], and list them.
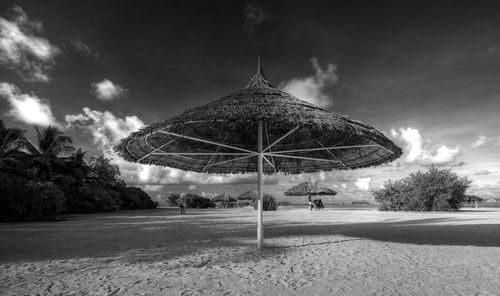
[{"x": 425, "y": 73}]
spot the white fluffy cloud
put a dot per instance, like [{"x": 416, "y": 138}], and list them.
[
  {"x": 30, "y": 56},
  {"x": 105, "y": 127},
  {"x": 27, "y": 108},
  {"x": 415, "y": 152},
  {"x": 106, "y": 90},
  {"x": 311, "y": 88},
  {"x": 363, "y": 183},
  {"x": 480, "y": 141}
]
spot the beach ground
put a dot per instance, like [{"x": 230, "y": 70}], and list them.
[{"x": 338, "y": 251}]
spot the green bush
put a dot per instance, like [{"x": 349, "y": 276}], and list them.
[
  {"x": 134, "y": 198},
  {"x": 195, "y": 201},
  {"x": 174, "y": 199},
  {"x": 269, "y": 203},
  {"x": 96, "y": 199},
  {"x": 434, "y": 190},
  {"x": 13, "y": 197},
  {"x": 46, "y": 201},
  {"x": 23, "y": 200}
]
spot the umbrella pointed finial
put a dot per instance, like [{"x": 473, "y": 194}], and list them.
[
  {"x": 259, "y": 67},
  {"x": 259, "y": 80}
]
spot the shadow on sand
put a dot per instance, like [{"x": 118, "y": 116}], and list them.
[{"x": 105, "y": 235}]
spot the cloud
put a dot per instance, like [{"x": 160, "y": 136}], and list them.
[
  {"x": 106, "y": 90},
  {"x": 415, "y": 152},
  {"x": 254, "y": 17},
  {"x": 27, "y": 108},
  {"x": 311, "y": 88},
  {"x": 83, "y": 48},
  {"x": 480, "y": 141},
  {"x": 483, "y": 172},
  {"x": 30, "y": 56},
  {"x": 107, "y": 130},
  {"x": 487, "y": 189},
  {"x": 363, "y": 183}
]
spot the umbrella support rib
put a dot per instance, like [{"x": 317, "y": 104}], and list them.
[
  {"x": 207, "y": 141},
  {"x": 327, "y": 148},
  {"x": 216, "y": 150},
  {"x": 333, "y": 155},
  {"x": 154, "y": 149},
  {"x": 281, "y": 138},
  {"x": 301, "y": 157},
  {"x": 268, "y": 142},
  {"x": 230, "y": 160},
  {"x": 270, "y": 163},
  {"x": 260, "y": 202}
]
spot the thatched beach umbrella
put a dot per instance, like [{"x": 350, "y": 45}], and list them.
[
  {"x": 259, "y": 129},
  {"x": 224, "y": 198},
  {"x": 308, "y": 189},
  {"x": 249, "y": 195}
]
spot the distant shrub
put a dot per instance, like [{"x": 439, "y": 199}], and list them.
[
  {"x": 269, "y": 203},
  {"x": 134, "y": 198},
  {"x": 14, "y": 195},
  {"x": 195, "y": 201},
  {"x": 174, "y": 199},
  {"x": 360, "y": 202},
  {"x": 284, "y": 203},
  {"x": 98, "y": 199},
  {"x": 434, "y": 190},
  {"x": 23, "y": 200},
  {"x": 46, "y": 201}
]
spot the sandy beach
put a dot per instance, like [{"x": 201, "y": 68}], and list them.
[{"x": 212, "y": 252}]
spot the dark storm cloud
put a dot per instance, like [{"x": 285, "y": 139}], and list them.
[
  {"x": 254, "y": 17},
  {"x": 83, "y": 48}
]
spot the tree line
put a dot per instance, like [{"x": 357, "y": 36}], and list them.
[{"x": 39, "y": 181}]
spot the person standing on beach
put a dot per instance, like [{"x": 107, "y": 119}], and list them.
[{"x": 310, "y": 205}]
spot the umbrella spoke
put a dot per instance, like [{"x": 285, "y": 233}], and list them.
[
  {"x": 327, "y": 148},
  {"x": 154, "y": 149},
  {"x": 202, "y": 153},
  {"x": 333, "y": 155},
  {"x": 301, "y": 157},
  {"x": 281, "y": 138},
  {"x": 216, "y": 150},
  {"x": 230, "y": 160},
  {"x": 270, "y": 163},
  {"x": 267, "y": 136},
  {"x": 207, "y": 141}
]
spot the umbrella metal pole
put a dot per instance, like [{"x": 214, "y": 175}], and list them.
[{"x": 260, "y": 201}]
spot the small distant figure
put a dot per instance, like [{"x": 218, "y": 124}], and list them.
[
  {"x": 183, "y": 208},
  {"x": 310, "y": 205},
  {"x": 320, "y": 205}
]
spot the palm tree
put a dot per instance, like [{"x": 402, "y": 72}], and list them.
[
  {"x": 11, "y": 142},
  {"x": 52, "y": 143},
  {"x": 104, "y": 171}
]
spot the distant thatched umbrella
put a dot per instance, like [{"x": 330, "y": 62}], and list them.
[
  {"x": 224, "y": 198},
  {"x": 228, "y": 136},
  {"x": 308, "y": 189},
  {"x": 249, "y": 195}
]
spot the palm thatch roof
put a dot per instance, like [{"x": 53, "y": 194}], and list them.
[
  {"x": 309, "y": 188},
  {"x": 223, "y": 198},
  {"x": 221, "y": 137},
  {"x": 249, "y": 195}
]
